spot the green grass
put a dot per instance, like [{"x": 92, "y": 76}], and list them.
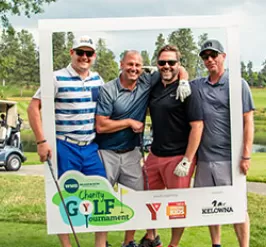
[
  {"x": 32, "y": 158},
  {"x": 22, "y": 219},
  {"x": 22, "y": 109},
  {"x": 257, "y": 171},
  {"x": 15, "y": 91},
  {"x": 259, "y": 97}
]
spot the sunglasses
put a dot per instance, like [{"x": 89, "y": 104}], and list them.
[
  {"x": 169, "y": 62},
  {"x": 212, "y": 54},
  {"x": 82, "y": 52}
]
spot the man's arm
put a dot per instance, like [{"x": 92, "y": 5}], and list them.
[
  {"x": 182, "y": 168},
  {"x": 248, "y": 132},
  {"x": 194, "y": 139},
  {"x": 34, "y": 116},
  {"x": 106, "y": 125}
]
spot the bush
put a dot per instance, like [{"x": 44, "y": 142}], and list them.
[
  {"x": 28, "y": 141},
  {"x": 260, "y": 138}
]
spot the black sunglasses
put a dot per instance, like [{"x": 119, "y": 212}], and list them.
[
  {"x": 82, "y": 52},
  {"x": 169, "y": 62},
  {"x": 212, "y": 54}
]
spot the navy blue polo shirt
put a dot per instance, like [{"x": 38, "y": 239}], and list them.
[
  {"x": 216, "y": 138},
  {"x": 121, "y": 103},
  {"x": 171, "y": 118}
]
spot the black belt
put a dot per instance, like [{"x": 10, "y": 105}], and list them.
[{"x": 122, "y": 151}]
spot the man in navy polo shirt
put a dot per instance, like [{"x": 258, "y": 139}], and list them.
[
  {"x": 177, "y": 129},
  {"x": 214, "y": 154},
  {"x": 121, "y": 112}
]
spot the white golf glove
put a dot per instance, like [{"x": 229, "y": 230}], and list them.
[
  {"x": 182, "y": 168},
  {"x": 183, "y": 90}
]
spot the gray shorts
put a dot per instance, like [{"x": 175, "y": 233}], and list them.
[
  {"x": 217, "y": 173},
  {"x": 123, "y": 168}
]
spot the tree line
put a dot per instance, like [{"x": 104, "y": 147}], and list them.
[{"x": 19, "y": 57}]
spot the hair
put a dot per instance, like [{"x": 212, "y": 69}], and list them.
[
  {"x": 170, "y": 48},
  {"x": 128, "y": 52}
]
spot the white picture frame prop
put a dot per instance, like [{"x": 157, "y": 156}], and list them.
[{"x": 92, "y": 202}]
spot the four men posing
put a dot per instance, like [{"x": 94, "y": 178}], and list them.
[{"x": 121, "y": 111}]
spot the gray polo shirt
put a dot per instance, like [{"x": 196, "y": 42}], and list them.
[
  {"x": 216, "y": 139},
  {"x": 118, "y": 102}
]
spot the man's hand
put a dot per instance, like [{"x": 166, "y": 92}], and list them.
[
  {"x": 136, "y": 126},
  {"x": 183, "y": 89},
  {"x": 182, "y": 168},
  {"x": 44, "y": 151},
  {"x": 244, "y": 166}
]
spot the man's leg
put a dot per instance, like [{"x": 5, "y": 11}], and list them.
[
  {"x": 176, "y": 236},
  {"x": 152, "y": 181},
  {"x": 242, "y": 232},
  {"x": 64, "y": 240},
  {"x": 215, "y": 231},
  {"x": 129, "y": 237},
  {"x": 100, "y": 239},
  {"x": 151, "y": 234}
]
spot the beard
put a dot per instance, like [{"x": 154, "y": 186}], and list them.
[{"x": 169, "y": 75}]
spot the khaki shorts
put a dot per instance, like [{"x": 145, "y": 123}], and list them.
[
  {"x": 213, "y": 174},
  {"x": 123, "y": 168}
]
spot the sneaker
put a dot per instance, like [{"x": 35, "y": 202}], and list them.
[
  {"x": 130, "y": 244},
  {"x": 146, "y": 242}
]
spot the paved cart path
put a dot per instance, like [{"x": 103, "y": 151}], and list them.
[{"x": 38, "y": 170}]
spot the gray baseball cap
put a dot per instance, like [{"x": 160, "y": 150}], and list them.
[{"x": 212, "y": 44}]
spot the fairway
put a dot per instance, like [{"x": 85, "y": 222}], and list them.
[{"x": 22, "y": 216}]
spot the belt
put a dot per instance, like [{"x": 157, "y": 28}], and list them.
[
  {"x": 122, "y": 151},
  {"x": 73, "y": 141}
]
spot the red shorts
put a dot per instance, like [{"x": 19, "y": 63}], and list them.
[{"x": 158, "y": 173}]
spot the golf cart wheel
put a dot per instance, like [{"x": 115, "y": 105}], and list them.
[{"x": 13, "y": 163}]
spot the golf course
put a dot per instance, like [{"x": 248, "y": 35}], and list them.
[{"x": 22, "y": 208}]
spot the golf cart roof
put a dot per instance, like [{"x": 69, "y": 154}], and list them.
[{"x": 6, "y": 103}]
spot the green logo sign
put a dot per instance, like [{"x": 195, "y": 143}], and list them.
[{"x": 91, "y": 201}]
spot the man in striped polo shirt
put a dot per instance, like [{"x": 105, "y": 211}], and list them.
[{"x": 76, "y": 92}]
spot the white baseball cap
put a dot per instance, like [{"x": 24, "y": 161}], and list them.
[{"x": 83, "y": 41}]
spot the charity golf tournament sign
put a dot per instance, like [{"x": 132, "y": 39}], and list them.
[{"x": 90, "y": 202}]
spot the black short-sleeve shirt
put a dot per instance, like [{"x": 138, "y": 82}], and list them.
[{"x": 171, "y": 118}]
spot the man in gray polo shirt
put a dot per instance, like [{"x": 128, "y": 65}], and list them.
[
  {"x": 121, "y": 112},
  {"x": 214, "y": 154}
]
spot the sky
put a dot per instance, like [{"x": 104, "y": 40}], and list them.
[{"x": 252, "y": 29}]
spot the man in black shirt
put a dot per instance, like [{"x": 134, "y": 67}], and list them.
[{"x": 177, "y": 129}]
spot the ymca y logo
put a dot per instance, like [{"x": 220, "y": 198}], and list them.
[{"x": 153, "y": 208}]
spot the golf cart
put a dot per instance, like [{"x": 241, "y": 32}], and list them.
[{"x": 11, "y": 153}]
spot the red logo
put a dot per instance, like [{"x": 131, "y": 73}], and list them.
[
  {"x": 153, "y": 208},
  {"x": 176, "y": 210}
]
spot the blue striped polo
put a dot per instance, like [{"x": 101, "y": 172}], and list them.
[{"x": 75, "y": 103}]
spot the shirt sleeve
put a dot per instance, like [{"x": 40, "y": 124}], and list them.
[
  {"x": 38, "y": 94},
  {"x": 194, "y": 105},
  {"x": 247, "y": 101},
  {"x": 104, "y": 103}
]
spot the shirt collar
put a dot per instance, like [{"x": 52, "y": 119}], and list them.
[
  {"x": 221, "y": 82},
  {"x": 73, "y": 72},
  {"x": 121, "y": 88}
]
